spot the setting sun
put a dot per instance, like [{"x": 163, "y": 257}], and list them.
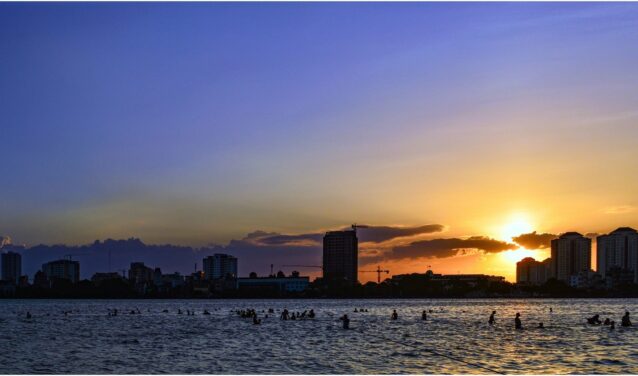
[{"x": 517, "y": 225}]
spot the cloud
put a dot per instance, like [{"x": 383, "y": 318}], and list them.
[
  {"x": 4, "y": 240},
  {"x": 366, "y": 234},
  {"x": 534, "y": 240},
  {"x": 379, "y": 234},
  {"x": 440, "y": 248},
  {"x": 302, "y": 239},
  {"x": 621, "y": 209}
]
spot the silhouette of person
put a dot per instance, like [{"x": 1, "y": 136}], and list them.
[
  {"x": 311, "y": 314},
  {"x": 395, "y": 315},
  {"x": 284, "y": 315},
  {"x": 607, "y": 321},
  {"x": 594, "y": 320},
  {"x": 517, "y": 321},
  {"x": 541, "y": 326},
  {"x": 29, "y": 315},
  {"x": 625, "y": 320},
  {"x": 256, "y": 321},
  {"x": 612, "y": 326},
  {"x": 356, "y": 310},
  {"x": 346, "y": 321},
  {"x": 491, "y": 320},
  {"x": 424, "y": 316}
]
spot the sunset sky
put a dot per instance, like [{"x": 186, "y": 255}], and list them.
[{"x": 203, "y": 123}]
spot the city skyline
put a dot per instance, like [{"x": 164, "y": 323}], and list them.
[
  {"x": 190, "y": 125},
  {"x": 304, "y": 250}
]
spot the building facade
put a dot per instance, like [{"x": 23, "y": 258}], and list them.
[
  {"x": 293, "y": 283},
  {"x": 618, "y": 251},
  {"x": 62, "y": 269},
  {"x": 340, "y": 257},
  {"x": 139, "y": 273},
  {"x": 532, "y": 272},
  {"x": 11, "y": 266},
  {"x": 220, "y": 266},
  {"x": 571, "y": 254}
]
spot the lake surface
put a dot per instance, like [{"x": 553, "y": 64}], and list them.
[{"x": 89, "y": 341}]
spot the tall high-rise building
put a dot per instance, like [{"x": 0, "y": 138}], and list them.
[
  {"x": 219, "y": 266},
  {"x": 62, "y": 269},
  {"x": 618, "y": 250},
  {"x": 571, "y": 254},
  {"x": 340, "y": 257},
  {"x": 532, "y": 272},
  {"x": 11, "y": 266}
]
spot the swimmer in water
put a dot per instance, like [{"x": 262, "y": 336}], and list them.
[
  {"x": 28, "y": 315},
  {"x": 491, "y": 320},
  {"x": 594, "y": 320},
  {"x": 395, "y": 315},
  {"x": 346, "y": 321},
  {"x": 540, "y": 325},
  {"x": 517, "y": 321},
  {"x": 424, "y": 316},
  {"x": 625, "y": 320}
]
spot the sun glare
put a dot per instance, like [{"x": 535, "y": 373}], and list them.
[
  {"x": 516, "y": 255},
  {"x": 518, "y": 224}
]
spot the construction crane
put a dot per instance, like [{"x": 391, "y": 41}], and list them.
[{"x": 378, "y": 271}]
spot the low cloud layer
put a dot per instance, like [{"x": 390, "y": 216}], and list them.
[
  {"x": 534, "y": 240},
  {"x": 367, "y": 233},
  {"x": 379, "y": 234},
  {"x": 440, "y": 248}
]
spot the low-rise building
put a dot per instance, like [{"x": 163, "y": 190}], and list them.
[
  {"x": 293, "y": 283},
  {"x": 99, "y": 278},
  {"x": 62, "y": 269}
]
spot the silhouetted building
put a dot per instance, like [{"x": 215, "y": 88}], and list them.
[
  {"x": 220, "y": 266},
  {"x": 62, "y": 269},
  {"x": 586, "y": 279},
  {"x": 532, "y": 272},
  {"x": 99, "y": 278},
  {"x": 173, "y": 280},
  {"x": 340, "y": 257},
  {"x": 293, "y": 283},
  {"x": 618, "y": 251},
  {"x": 571, "y": 254},
  {"x": 11, "y": 267},
  {"x": 40, "y": 280},
  {"x": 470, "y": 279},
  {"x": 139, "y": 274}
]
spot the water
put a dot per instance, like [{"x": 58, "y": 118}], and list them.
[{"x": 89, "y": 341}]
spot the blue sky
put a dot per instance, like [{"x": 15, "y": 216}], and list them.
[{"x": 199, "y": 123}]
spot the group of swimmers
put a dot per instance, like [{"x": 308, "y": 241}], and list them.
[
  {"x": 286, "y": 315},
  {"x": 250, "y": 313},
  {"x": 595, "y": 320}
]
